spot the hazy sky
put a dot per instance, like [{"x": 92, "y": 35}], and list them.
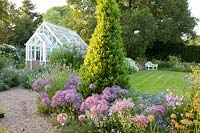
[{"x": 43, "y": 5}]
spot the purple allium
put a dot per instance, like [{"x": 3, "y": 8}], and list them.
[
  {"x": 121, "y": 105},
  {"x": 39, "y": 84},
  {"x": 43, "y": 95},
  {"x": 82, "y": 118},
  {"x": 62, "y": 98},
  {"x": 158, "y": 109},
  {"x": 62, "y": 118},
  {"x": 173, "y": 101},
  {"x": 45, "y": 102},
  {"x": 110, "y": 93},
  {"x": 92, "y": 86},
  {"x": 73, "y": 83},
  {"x": 58, "y": 99},
  {"x": 140, "y": 121}
]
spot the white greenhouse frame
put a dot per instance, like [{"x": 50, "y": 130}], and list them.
[{"x": 48, "y": 37}]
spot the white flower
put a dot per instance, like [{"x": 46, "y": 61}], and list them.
[{"x": 136, "y": 32}]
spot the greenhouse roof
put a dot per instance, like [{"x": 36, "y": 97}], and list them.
[{"x": 57, "y": 36}]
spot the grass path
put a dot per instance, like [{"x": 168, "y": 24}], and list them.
[{"x": 159, "y": 81}]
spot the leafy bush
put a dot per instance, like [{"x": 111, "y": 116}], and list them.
[
  {"x": 103, "y": 64},
  {"x": 70, "y": 57},
  {"x": 3, "y": 86},
  {"x": 132, "y": 67},
  {"x": 10, "y": 76}
]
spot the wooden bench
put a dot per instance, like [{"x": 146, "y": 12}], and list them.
[{"x": 150, "y": 66}]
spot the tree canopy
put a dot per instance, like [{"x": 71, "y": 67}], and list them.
[{"x": 21, "y": 25}]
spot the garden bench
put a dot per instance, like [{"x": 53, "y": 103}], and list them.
[{"x": 150, "y": 66}]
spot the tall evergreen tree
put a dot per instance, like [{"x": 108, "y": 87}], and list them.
[{"x": 103, "y": 64}]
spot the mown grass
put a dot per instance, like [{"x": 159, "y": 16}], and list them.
[{"x": 159, "y": 81}]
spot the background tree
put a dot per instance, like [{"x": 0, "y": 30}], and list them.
[
  {"x": 24, "y": 24},
  {"x": 103, "y": 64},
  {"x": 138, "y": 31},
  {"x": 4, "y": 21}
]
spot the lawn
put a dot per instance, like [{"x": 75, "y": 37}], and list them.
[{"x": 159, "y": 81}]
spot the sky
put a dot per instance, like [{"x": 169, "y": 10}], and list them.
[{"x": 43, "y": 5}]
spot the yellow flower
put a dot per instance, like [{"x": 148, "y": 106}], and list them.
[
  {"x": 179, "y": 126},
  {"x": 186, "y": 122},
  {"x": 173, "y": 116},
  {"x": 189, "y": 115},
  {"x": 174, "y": 122},
  {"x": 151, "y": 118},
  {"x": 196, "y": 122}
]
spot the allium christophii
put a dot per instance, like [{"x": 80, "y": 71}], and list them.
[
  {"x": 62, "y": 118},
  {"x": 140, "y": 121},
  {"x": 121, "y": 105},
  {"x": 39, "y": 84},
  {"x": 73, "y": 83}
]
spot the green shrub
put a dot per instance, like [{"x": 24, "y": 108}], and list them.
[
  {"x": 3, "y": 86},
  {"x": 164, "y": 64},
  {"x": 131, "y": 65},
  {"x": 103, "y": 64},
  {"x": 10, "y": 76},
  {"x": 70, "y": 57}
]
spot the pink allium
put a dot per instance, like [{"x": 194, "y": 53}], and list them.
[
  {"x": 82, "y": 118},
  {"x": 140, "y": 121},
  {"x": 62, "y": 118},
  {"x": 121, "y": 105},
  {"x": 90, "y": 102},
  {"x": 158, "y": 109},
  {"x": 100, "y": 108}
]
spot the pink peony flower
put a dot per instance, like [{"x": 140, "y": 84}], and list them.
[
  {"x": 62, "y": 118},
  {"x": 82, "y": 118}
]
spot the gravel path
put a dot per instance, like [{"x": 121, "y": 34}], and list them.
[{"x": 21, "y": 113}]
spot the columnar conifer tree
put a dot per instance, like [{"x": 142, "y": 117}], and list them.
[{"x": 103, "y": 64}]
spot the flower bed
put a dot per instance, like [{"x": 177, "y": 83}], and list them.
[{"x": 115, "y": 110}]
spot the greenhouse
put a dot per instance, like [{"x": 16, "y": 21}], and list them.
[{"x": 48, "y": 37}]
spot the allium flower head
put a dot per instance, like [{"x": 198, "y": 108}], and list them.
[
  {"x": 151, "y": 118},
  {"x": 92, "y": 86},
  {"x": 82, "y": 118},
  {"x": 121, "y": 105},
  {"x": 39, "y": 84},
  {"x": 173, "y": 116},
  {"x": 110, "y": 93},
  {"x": 62, "y": 118},
  {"x": 140, "y": 121},
  {"x": 158, "y": 109},
  {"x": 73, "y": 83},
  {"x": 45, "y": 102},
  {"x": 90, "y": 102},
  {"x": 43, "y": 95}
]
